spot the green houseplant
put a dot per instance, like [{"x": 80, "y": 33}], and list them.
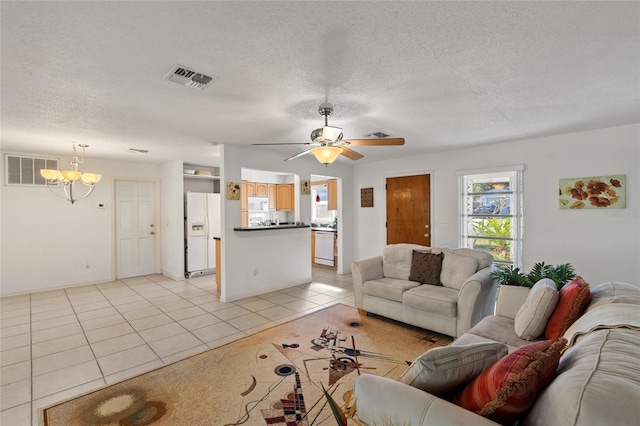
[{"x": 560, "y": 274}]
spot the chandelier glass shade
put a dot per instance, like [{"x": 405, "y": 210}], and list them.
[
  {"x": 69, "y": 179},
  {"x": 326, "y": 154}
]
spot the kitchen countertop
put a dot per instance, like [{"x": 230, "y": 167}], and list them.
[{"x": 270, "y": 227}]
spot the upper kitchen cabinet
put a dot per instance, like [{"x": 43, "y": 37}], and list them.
[
  {"x": 273, "y": 196},
  {"x": 284, "y": 197},
  {"x": 332, "y": 194},
  {"x": 261, "y": 189},
  {"x": 251, "y": 189}
]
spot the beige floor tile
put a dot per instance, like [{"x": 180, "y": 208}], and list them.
[
  {"x": 198, "y": 322},
  {"x": 207, "y": 298},
  {"x": 126, "y": 299},
  {"x": 258, "y": 305},
  {"x": 174, "y": 306},
  {"x": 54, "y": 333},
  {"x": 246, "y": 300},
  {"x": 88, "y": 300},
  {"x": 13, "y": 321},
  {"x": 230, "y": 313},
  {"x": 92, "y": 306},
  {"x": 301, "y": 305},
  {"x": 50, "y": 307},
  {"x": 101, "y": 322},
  {"x": 226, "y": 339},
  {"x": 52, "y": 314},
  {"x": 16, "y": 330},
  {"x": 161, "y": 300},
  {"x": 11, "y": 300},
  {"x": 47, "y": 294},
  {"x": 14, "y": 356},
  {"x": 151, "y": 322},
  {"x": 108, "y": 332},
  {"x": 65, "y": 378},
  {"x": 13, "y": 342},
  {"x": 62, "y": 299},
  {"x": 216, "y": 306},
  {"x": 126, "y": 359},
  {"x": 299, "y": 293},
  {"x": 134, "y": 371},
  {"x": 321, "y": 299},
  {"x": 15, "y": 372},
  {"x": 58, "y": 345},
  {"x": 215, "y": 332},
  {"x": 15, "y": 394},
  {"x": 127, "y": 307},
  {"x": 54, "y": 322},
  {"x": 279, "y": 298},
  {"x": 185, "y": 313},
  {"x": 98, "y": 313},
  {"x": 116, "y": 344},
  {"x": 18, "y": 416},
  {"x": 247, "y": 322},
  {"x": 276, "y": 312},
  {"x": 81, "y": 290},
  {"x": 141, "y": 313},
  {"x": 259, "y": 328},
  {"x": 185, "y": 354},
  {"x": 59, "y": 360},
  {"x": 174, "y": 344},
  {"x": 162, "y": 332},
  {"x": 154, "y": 294}
]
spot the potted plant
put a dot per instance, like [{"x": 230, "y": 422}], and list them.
[{"x": 560, "y": 274}]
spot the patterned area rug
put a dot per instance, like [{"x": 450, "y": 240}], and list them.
[{"x": 274, "y": 377}]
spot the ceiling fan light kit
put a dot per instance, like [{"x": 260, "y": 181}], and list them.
[{"x": 328, "y": 144}]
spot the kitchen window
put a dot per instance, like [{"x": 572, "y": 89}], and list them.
[
  {"x": 491, "y": 212},
  {"x": 319, "y": 206}
]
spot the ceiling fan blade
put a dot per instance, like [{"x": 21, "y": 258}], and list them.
[
  {"x": 284, "y": 143},
  {"x": 376, "y": 142},
  {"x": 351, "y": 154},
  {"x": 300, "y": 154}
]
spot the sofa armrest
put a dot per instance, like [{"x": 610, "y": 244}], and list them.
[
  {"x": 476, "y": 300},
  {"x": 510, "y": 299},
  {"x": 383, "y": 401},
  {"x": 365, "y": 270}
]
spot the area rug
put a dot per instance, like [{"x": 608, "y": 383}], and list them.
[{"x": 274, "y": 377}]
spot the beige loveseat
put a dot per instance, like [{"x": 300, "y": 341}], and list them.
[
  {"x": 467, "y": 294},
  {"x": 597, "y": 381}
]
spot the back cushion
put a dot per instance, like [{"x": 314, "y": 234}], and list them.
[
  {"x": 396, "y": 259},
  {"x": 614, "y": 292},
  {"x": 456, "y": 269},
  {"x": 484, "y": 258}
]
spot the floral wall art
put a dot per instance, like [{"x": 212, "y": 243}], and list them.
[{"x": 595, "y": 192}]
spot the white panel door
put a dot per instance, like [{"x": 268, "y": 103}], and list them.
[{"x": 135, "y": 229}]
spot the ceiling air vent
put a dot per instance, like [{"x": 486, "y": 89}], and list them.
[{"x": 188, "y": 77}]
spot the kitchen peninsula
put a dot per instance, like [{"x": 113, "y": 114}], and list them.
[{"x": 270, "y": 227}]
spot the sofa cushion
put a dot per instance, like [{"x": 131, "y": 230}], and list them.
[
  {"x": 435, "y": 299},
  {"x": 396, "y": 260},
  {"x": 456, "y": 269},
  {"x": 596, "y": 381},
  {"x": 534, "y": 314},
  {"x": 507, "y": 389},
  {"x": 484, "y": 258},
  {"x": 443, "y": 369},
  {"x": 388, "y": 288},
  {"x": 574, "y": 298},
  {"x": 426, "y": 267},
  {"x": 495, "y": 329},
  {"x": 614, "y": 292}
]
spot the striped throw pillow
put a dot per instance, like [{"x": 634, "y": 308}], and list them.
[{"x": 574, "y": 299}]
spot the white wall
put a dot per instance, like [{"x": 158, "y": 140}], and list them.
[
  {"x": 260, "y": 261},
  {"x": 602, "y": 245},
  {"x": 49, "y": 243},
  {"x": 172, "y": 220}
]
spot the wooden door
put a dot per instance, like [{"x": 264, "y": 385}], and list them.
[
  {"x": 135, "y": 229},
  {"x": 332, "y": 194},
  {"x": 409, "y": 210}
]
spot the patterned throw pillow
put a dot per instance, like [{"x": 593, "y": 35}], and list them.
[
  {"x": 441, "y": 370},
  {"x": 534, "y": 314},
  {"x": 574, "y": 299},
  {"x": 507, "y": 389},
  {"x": 426, "y": 267}
]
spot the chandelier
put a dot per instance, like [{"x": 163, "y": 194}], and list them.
[{"x": 70, "y": 178}]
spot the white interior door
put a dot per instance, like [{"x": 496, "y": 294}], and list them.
[{"x": 135, "y": 229}]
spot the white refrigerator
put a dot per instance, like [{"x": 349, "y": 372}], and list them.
[{"x": 202, "y": 227}]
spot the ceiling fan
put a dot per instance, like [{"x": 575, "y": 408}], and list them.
[{"x": 327, "y": 143}]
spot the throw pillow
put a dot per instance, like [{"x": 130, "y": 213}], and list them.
[
  {"x": 507, "y": 389},
  {"x": 532, "y": 318},
  {"x": 443, "y": 369},
  {"x": 574, "y": 299},
  {"x": 426, "y": 267}
]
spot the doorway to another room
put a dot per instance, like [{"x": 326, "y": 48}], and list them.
[{"x": 324, "y": 221}]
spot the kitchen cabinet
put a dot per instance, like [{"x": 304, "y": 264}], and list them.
[
  {"x": 332, "y": 194},
  {"x": 271, "y": 193},
  {"x": 261, "y": 189},
  {"x": 243, "y": 196},
  {"x": 313, "y": 246},
  {"x": 251, "y": 189},
  {"x": 245, "y": 219},
  {"x": 284, "y": 197}
]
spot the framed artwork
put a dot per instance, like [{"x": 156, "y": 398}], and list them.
[
  {"x": 595, "y": 192},
  {"x": 233, "y": 191},
  {"x": 305, "y": 187},
  {"x": 366, "y": 197}
]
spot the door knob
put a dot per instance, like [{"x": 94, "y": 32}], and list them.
[
  {"x": 152, "y": 233},
  {"x": 426, "y": 226},
  {"x": 426, "y": 235}
]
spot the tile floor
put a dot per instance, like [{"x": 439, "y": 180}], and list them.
[{"x": 61, "y": 343}]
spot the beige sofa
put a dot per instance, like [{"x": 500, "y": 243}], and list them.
[
  {"x": 597, "y": 381},
  {"x": 467, "y": 294}
]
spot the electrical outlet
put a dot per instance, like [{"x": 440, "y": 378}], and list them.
[{"x": 444, "y": 224}]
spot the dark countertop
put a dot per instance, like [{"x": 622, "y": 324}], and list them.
[
  {"x": 270, "y": 227},
  {"x": 324, "y": 229}
]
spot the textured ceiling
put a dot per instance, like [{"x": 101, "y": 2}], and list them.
[{"x": 441, "y": 74}]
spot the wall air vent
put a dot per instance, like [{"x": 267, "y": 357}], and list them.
[
  {"x": 23, "y": 170},
  {"x": 138, "y": 151},
  {"x": 188, "y": 77}
]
